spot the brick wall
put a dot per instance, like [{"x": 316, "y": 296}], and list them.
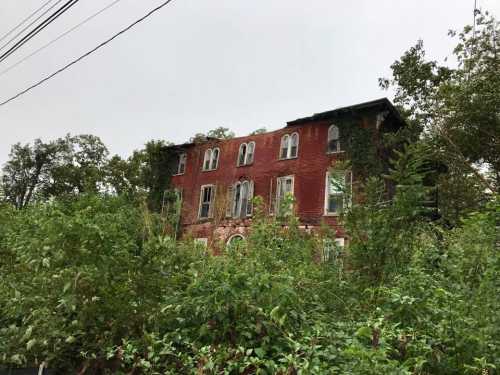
[{"x": 309, "y": 170}]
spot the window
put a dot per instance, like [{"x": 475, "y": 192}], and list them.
[
  {"x": 207, "y": 198},
  {"x": 242, "y": 154},
  {"x": 289, "y": 146},
  {"x": 332, "y": 249},
  {"x": 240, "y": 196},
  {"x": 294, "y": 145},
  {"x": 181, "y": 166},
  {"x": 207, "y": 159},
  {"x": 211, "y": 159},
  {"x": 245, "y": 154},
  {"x": 215, "y": 159},
  {"x": 333, "y": 139},
  {"x": 235, "y": 240},
  {"x": 250, "y": 153},
  {"x": 335, "y": 192},
  {"x": 284, "y": 188}
]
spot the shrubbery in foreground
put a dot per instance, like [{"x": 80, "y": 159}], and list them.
[{"x": 88, "y": 285}]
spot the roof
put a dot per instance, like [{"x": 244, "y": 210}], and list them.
[{"x": 383, "y": 103}]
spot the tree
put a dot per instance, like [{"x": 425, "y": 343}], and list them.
[
  {"x": 69, "y": 165},
  {"x": 219, "y": 133},
  {"x": 458, "y": 108},
  {"x": 28, "y": 168},
  {"x": 259, "y": 131}
]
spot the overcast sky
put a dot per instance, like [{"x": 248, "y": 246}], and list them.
[{"x": 200, "y": 64}]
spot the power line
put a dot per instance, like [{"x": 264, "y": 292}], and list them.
[
  {"x": 147, "y": 15},
  {"x": 31, "y": 24},
  {"x": 3, "y": 72},
  {"x": 25, "y": 20},
  {"x": 39, "y": 28}
]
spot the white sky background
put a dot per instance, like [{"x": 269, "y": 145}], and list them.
[{"x": 200, "y": 64}]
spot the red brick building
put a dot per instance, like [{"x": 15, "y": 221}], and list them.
[{"x": 218, "y": 178}]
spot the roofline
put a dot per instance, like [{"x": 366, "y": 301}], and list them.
[
  {"x": 384, "y": 102},
  {"x": 381, "y": 102}
]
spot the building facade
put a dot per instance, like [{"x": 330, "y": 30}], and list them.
[{"x": 217, "y": 179}]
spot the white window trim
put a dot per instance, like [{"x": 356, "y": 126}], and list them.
[
  {"x": 211, "y": 159},
  {"x": 216, "y": 160},
  {"x": 250, "y": 193},
  {"x": 339, "y": 148},
  {"x": 289, "y": 147},
  {"x": 238, "y": 164},
  {"x": 327, "y": 182},
  {"x": 278, "y": 185},
  {"x": 253, "y": 153},
  {"x": 179, "y": 164},
  {"x": 212, "y": 202},
  {"x": 203, "y": 168}
]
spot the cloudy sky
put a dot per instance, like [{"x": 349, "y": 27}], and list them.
[{"x": 200, "y": 64}]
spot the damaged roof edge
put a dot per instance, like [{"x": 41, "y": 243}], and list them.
[{"x": 382, "y": 102}]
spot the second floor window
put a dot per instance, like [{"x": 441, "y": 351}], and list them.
[
  {"x": 289, "y": 146},
  {"x": 207, "y": 199},
  {"x": 240, "y": 197},
  {"x": 181, "y": 166},
  {"x": 284, "y": 188},
  {"x": 337, "y": 192},
  {"x": 211, "y": 159},
  {"x": 333, "y": 139},
  {"x": 246, "y": 154}
]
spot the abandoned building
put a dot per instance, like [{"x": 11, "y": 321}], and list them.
[{"x": 217, "y": 178}]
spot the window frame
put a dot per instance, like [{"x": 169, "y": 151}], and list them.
[
  {"x": 215, "y": 151},
  {"x": 278, "y": 198},
  {"x": 209, "y": 158},
  {"x": 289, "y": 142},
  {"x": 329, "y": 139},
  {"x": 182, "y": 156},
  {"x": 237, "y": 204},
  {"x": 345, "y": 201},
  {"x": 210, "y": 204},
  {"x": 243, "y": 154}
]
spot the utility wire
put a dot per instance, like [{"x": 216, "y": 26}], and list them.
[
  {"x": 25, "y": 20},
  {"x": 147, "y": 15},
  {"x": 39, "y": 28},
  {"x": 3, "y": 72},
  {"x": 31, "y": 24}
]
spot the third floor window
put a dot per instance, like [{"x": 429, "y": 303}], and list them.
[
  {"x": 211, "y": 159},
  {"x": 333, "y": 139},
  {"x": 289, "y": 146},
  {"x": 246, "y": 154}
]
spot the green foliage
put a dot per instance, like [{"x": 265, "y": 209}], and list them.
[
  {"x": 458, "y": 109},
  {"x": 93, "y": 284}
]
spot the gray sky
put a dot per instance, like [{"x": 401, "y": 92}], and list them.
[{"x": 199, "y": 64}]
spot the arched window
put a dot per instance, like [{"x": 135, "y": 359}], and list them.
[
  {"x": 250, "y": 153},
  {"x": 246, "y": 153},
  {"x": 333, "y": 139},
  {"x": 207, "y": 159},
  {"x": 285, "y": 144},
  {"x": 215, "y": 159},
  {"x": 294, "y": 146},
  {"x": 289, "y": 146},
  {"x": 242, "y": 154},
  {"x": 235, "y": 240}
]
